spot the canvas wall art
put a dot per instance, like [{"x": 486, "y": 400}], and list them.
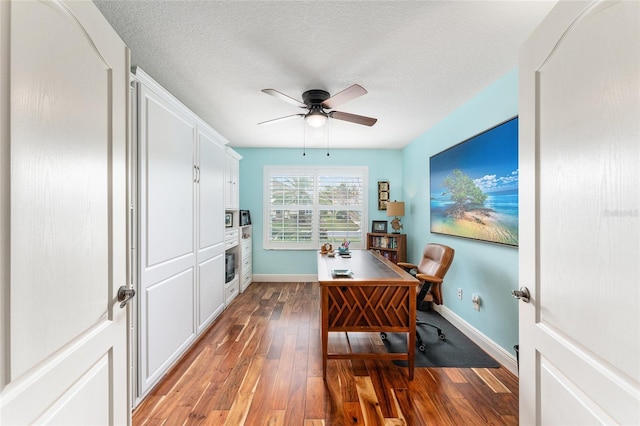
[{"x": 474, "y": 187}]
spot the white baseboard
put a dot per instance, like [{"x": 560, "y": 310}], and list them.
[
  {"x": 281, "y": 278},
  {"x": 506, "y": 359}
]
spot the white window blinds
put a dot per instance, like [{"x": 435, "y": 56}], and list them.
[{"x": 307, "y": 207}]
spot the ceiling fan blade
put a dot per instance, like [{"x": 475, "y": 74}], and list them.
[
  {"x": 284, "y": 97},
  {"x": 346, "y": 95},
  {"x": 353, "y": 118},
  {"x": 275, "y": 120}
]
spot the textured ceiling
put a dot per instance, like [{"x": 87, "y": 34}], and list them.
[{"x": 419, "y": 60}]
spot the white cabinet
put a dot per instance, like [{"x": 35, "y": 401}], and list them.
[
  {"x": 231, "y": 290},
  {"x": 210, "y": 166},
  {"x": 231, "y": 238},
  {"x": 246, "y": 269},
  {"x": 232, "y": 175},
  {"x": 181, "y": 176}
]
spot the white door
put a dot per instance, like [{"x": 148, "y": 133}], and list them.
[
  {"x": 167, "y": 257},
  {"x": 580, "y": 216},
  {"x": 63, "y": 230},
  {"x": 210, "y": 185}
]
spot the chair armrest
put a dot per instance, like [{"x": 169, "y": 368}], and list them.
[
  {"x": 428, "y": 278},
  {"x": 407, "y": 265}
]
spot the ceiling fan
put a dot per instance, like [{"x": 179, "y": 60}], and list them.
[{"x": 317, "y": 101}]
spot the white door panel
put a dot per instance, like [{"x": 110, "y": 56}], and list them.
[
  {"x": 562, "y": 403},
  {"x": 72, "y": 409},
  {"x": 59, "y": 182},
  {"x": 167, "y": 146},
  {"x": 212, "y": 163},
  {"x": 211, "y": 169},
  {"x": 167, "y": 176},
  {"x": 65, "y": 345},
  {"x": 211, "y": 289},
  {"x": 168, "y": 316},
  {"x": 580, "y": 209}
]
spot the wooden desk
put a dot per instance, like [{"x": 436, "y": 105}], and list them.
[{"x": 379, "y": 296}]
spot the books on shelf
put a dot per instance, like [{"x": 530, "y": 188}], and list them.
[
  {"x": 390, "y": 255},
  {"x": 390, "y": 246},
  {"x": 384, "y": 242}
]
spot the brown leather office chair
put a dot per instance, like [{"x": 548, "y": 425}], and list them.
[{"x": 436, "y": 260}]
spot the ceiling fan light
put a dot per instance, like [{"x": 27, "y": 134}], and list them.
[{"x": 316, "y": 119}]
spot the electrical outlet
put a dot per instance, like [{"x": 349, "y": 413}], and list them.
[{"x": 459, "y": 293}]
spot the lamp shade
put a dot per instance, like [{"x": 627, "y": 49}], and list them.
[{"x": 395, "y": 208}]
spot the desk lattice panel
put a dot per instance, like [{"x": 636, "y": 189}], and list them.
[{"x": 368, "y": 306}]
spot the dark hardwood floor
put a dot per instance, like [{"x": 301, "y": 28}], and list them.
[{"x": 261, "y": 364}]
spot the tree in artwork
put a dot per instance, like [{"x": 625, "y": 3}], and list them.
[{"x": 464, "y": 193}]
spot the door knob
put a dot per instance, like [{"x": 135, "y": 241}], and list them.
[
  {"x": 124, "y": 295},
  {"x": 522, "y": 294}
]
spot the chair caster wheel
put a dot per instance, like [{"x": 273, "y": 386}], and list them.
[{"x": 422, "y": 348}]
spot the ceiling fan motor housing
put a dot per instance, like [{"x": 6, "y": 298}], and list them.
[{"x": 314, "y": 97}]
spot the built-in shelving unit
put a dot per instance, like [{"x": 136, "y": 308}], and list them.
[
  {"x": 391, "y": 246},
  {"x": 246, "y": 269}
]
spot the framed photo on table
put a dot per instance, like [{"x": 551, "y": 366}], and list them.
[
  {"x": 379, "y": 226},
  {"x": 228, "y": 220}
]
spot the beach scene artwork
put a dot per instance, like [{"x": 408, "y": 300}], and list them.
[{"x": 474, "y": 187}]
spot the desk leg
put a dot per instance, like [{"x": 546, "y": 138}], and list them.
[
  {"x": 412, "y": 331},
  {"x": 324, "y": 303}
]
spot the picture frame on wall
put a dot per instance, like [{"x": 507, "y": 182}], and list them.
[
  {"x": 379, "y": 226},
  {"x": 383, "y": 194},
  {"x": 474, "y": 187}
]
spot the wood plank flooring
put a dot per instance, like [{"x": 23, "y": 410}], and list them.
[{"x": 261, "y": 364}]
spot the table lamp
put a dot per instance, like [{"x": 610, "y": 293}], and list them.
[{"x": 395, "y": 208}]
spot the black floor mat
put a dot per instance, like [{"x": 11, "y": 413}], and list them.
[{"x": 456, "y": 350}]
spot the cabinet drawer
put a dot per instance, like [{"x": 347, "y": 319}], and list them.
[
  {"x": 246, "y": 245},
  {"x": 231, "y": 238},
  {"x": 247, "y": 277},
  {"x": 247, "y": 274},
  {"x": 231, "y": 289},
  {"x": 246, "y": 262}
]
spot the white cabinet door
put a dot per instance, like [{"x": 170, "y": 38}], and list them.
[
  {"x": 246, "y": 275},
  {"x": 580, "y": 220},
  {"x": 63, "y": 353},
  {"x": 210, "y": 290},
  {"x": 167, "y": 227},
  {"x": 232, "y": 188},
  {"x": 210, "y": 185}
]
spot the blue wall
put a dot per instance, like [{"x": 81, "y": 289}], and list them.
[
  {"x": 383, "y": 164},
  {"x": 489, "y": 270}
]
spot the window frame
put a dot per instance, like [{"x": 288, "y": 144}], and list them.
[{"x": 315, "y": 172}]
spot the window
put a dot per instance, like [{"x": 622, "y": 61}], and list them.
[{"x": 305, "y": 207}]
